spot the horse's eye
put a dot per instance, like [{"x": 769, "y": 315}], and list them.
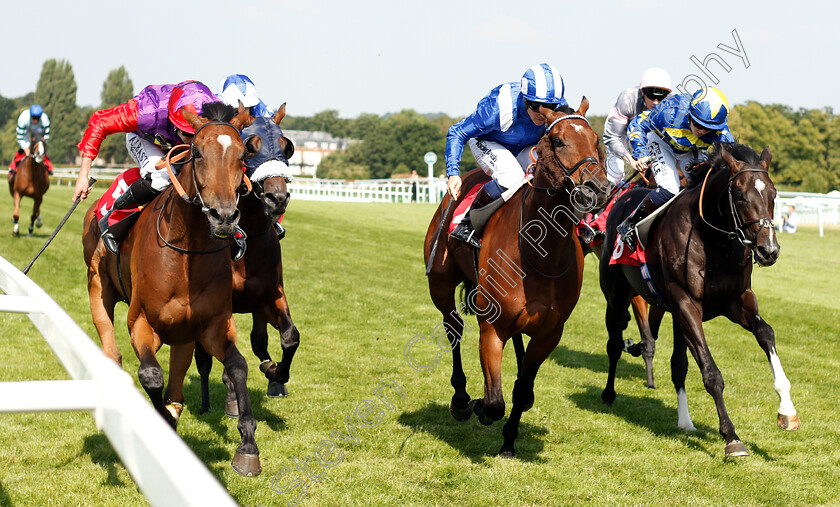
[
  {"x": 196, "y": 154},
  {"x": 556, "y": 143},
  {"x": 739, "y": 195}
]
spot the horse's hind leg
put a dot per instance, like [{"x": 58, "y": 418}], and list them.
[
  {"x": 103, "y": 298},
  {"x": 16, "y": 215},
  {"x": 617, "y": 292},
  {"x": 204, "y": 365},
  {"x": 748, "y": 317},
  {"x": 443, "y": 297},
  {"x": 523, "y": 389},
  {"x": 280, "y": 319},
  {"x": 648, "y": 346}
]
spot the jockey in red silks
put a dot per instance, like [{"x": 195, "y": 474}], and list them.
[
  {"x": 30, "y": 119},
  {"x": 153, "y": 122}
]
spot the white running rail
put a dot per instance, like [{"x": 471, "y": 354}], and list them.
[{"x": 164, "y": 468}]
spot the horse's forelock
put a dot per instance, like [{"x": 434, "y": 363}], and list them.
[{"x": 218, "y": 111}]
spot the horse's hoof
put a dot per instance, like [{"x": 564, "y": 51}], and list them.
[
  {"x": 788, "y": 422},
  {"x": 247, "y": 465},
  {"x": 232, "y": 409},
  {"x": 461, "y": 414},
  {"x": 478, "y": 408},
  {"x": 174, "y": 410},
  {"x": 277, "y": 390},
  {"x": 507, "y": 453},
  {"x": 632, "y": 348},
  {"x": 736, "y": 448},
  {"x": 608, "y": 397},
  {"x": 39, "y": 223}
]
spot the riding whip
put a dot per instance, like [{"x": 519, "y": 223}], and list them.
[
  {"x": 91, "y": 181},
  {"x": 437, "y": 235}
]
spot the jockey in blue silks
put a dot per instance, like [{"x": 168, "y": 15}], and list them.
[
  {"x": 239, "y": 88},
  {"x": 504, "y": 127},
  {"x": 678, "y": 131}
]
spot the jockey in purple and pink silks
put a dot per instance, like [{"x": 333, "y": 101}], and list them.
[{"x": 153, "y": 122}]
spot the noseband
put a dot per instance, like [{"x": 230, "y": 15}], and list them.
[{"x": 740, "y": 225}]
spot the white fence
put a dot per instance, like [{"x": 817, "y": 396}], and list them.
[{"x": 164, "y": 468}]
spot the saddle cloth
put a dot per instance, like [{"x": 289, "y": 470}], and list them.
[
  {"x": 117, "y": 188},
  {"x": 463, "y": 207}
]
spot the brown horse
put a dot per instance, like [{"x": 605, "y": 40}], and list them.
[
  {"x": 529, "y": 271},
  {"x": 258, "y": 276},
  {"x": 174, "y": 271},
  {"x": 699, "y": 253},
  {"x": 31, "y": 180}
]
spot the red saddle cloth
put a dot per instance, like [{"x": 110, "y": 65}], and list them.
[
  {"x": 622, "y": 255},
  {"x": 599, "y": 221},
  {"x": 117, "y": 188},
  {"x": 462, "y": 208}
]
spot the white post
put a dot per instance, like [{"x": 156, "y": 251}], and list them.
[
  {"x": 820, "y": 215},
  {"x": 430, "y": 158}
]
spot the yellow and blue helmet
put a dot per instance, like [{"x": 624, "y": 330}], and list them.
[{"x": 709, "y": 108}]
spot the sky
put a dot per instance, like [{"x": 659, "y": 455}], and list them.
[{"x": 367, "y": 56}]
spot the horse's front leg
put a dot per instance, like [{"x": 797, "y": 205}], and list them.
[
  {"x": 180, "y": 359},
  {"x": 146, "y": 343},
  {"x": 16, "y": 214},
  {"x": 679, "y": 369},
  {"x": 691, "y": 322},
  {"x": 539, "y": 348},
  {"x": 746, "y": 314},
  {"x": 281, "y": 320},
  {"x": 222, "y": 346},
  {"x": 36, "y": 214}
]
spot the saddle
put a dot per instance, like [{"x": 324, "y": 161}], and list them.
[{"x": 119, "y": 221}]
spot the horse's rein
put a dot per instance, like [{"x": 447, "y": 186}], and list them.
[{"x": 738, "y": 233}]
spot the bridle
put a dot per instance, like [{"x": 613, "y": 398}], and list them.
[
  {"x": 740, "y": 225},
  {"x": 189, "y": 149},
  {"x": 584, "y": 162},
  {"x": 198, "y": 200}
]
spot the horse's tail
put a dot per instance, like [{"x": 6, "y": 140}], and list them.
[{"x": 466, "y": 297}]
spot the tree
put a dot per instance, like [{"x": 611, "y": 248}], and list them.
[
  {"x": 56, "y": 92},
  {"x": 117, "y": 89}
]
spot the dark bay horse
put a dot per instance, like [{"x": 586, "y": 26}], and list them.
[
  {"x": 529, "y": 272},
  {"x": 258, "y": 276},
  {"x": 699, "y": 253},
  {"x": 31, "y": 180},
  {"x": 174, "y": 270}
]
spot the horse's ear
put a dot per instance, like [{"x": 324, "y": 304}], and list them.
[
  {"x": 242, "y": 119},
  {"x": 253, "y": 145},
  {"x": 193, "y": 119},
  {"x": 764, "y": 161},
  {"x": 584, "y": 106},
  {"x": 734, "y": 165},
  {"x": 279, "y": 115},
  {"x": 288, "y": 147}
]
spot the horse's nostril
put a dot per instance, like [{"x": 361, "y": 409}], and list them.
[
  {"x": 234, "y": 216},
  {"x": 214, "y": 213}
]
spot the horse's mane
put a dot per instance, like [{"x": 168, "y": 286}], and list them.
[
  {"x": 565, "y": 108},
  {"x": 218, "y": 111},
  {"x": 740, "y": 152}
]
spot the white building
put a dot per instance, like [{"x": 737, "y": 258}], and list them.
[{"x": 310, "y": 148}]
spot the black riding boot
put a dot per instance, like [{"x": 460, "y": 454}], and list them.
[
  {"x": 138, "y": 193},
  {"x": 464, "y": 231},
  {"x": 627, "y": 228}
]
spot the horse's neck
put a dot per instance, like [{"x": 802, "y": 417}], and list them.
[
  {"x": 548, "y": 224},
  {"x": 186, "y": 222},
  {"x": 253, "y": 218}
]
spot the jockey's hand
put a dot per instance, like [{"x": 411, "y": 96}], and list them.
[
  {"x": 82, "y": 186},
  {"x": 454, "y": 186},
  {"x": 641, "y": 164},
  {"x": 26, "y": 151}
]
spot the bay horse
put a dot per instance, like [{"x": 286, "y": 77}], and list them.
[
  {"x": 529, "y": 270},
  {"x": 174, "y": 271},
  {"x": 31, "y": 180},
  {"x": 699, "y": 253},
  {"x": 258, "y": 275}
]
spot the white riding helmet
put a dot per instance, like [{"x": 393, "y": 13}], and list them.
[
  {"x": 656, "y": 78},
  {"x": 239, "y": 88}
]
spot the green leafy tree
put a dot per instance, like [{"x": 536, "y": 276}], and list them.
[
  {"x": 56, "y": 92},
  {"x": 117, "y": 89},
  {"x": 342, "y": 165}
]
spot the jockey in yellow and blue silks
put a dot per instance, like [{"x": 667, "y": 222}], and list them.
[
  {"x": 678, "y": 131},
  {"x": 500, "y": 133}
]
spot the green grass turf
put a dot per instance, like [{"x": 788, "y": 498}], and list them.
[{"x": 356, "y": 286}]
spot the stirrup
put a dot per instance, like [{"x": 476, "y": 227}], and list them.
[
  {"x": 239, "y": 245},
  {"x": 627, "y": 231},
  {"x": 280, "y": 230},
  {"x": 586, "y": 234},
  {"x": 110, "y": 242},
  {"x": 465, "y": 232}
]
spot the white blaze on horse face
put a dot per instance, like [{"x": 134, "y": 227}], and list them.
[
  {"x": 225, "y": 141},
  {"x": 759, "y": 185},
  {"x": 577, "y": 128}
]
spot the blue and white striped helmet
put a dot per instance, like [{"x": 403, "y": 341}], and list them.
[
  {"x": 543, "y": 83},
  {"x": 236, "y": 88}
]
